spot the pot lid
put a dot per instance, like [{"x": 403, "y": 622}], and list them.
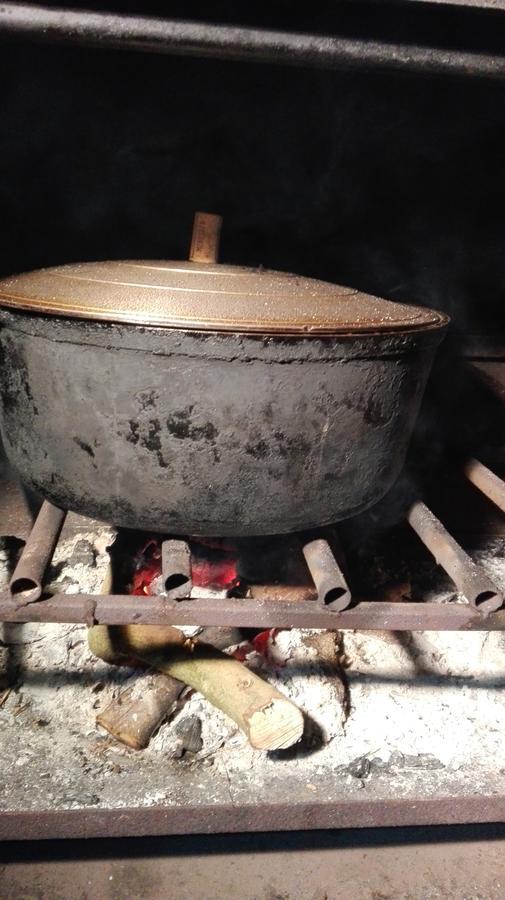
[{"x": 202, "y": 295}]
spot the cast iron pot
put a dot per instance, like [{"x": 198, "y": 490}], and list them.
[{"x": 291, "y": 417}]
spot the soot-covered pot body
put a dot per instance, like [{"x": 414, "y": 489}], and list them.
[{"x": 195, "y": 432}]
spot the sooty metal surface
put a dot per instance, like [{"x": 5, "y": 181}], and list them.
[{"x": 200, "y": 433}]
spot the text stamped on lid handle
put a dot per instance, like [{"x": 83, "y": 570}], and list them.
[{"x": 205, "y": 238}]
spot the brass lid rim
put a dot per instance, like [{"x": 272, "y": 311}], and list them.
[
  {"x": 211, "y": 297},
  {"x": 64, "y": 309}
]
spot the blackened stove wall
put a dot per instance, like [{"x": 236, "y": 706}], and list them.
[{"x": 392, "y": 183}]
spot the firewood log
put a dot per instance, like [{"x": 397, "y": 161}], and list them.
[
  {"x": 133, "y": 716},
  {"x": 266, "y": 716}
]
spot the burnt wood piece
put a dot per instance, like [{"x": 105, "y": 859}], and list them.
[{"x": 134, "y": 715}]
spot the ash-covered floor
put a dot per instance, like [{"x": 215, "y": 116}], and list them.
[
  {"x": 390, "y": 714},
  {"x": 402, "y": 714}
]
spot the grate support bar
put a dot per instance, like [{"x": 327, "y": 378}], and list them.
[
  {"x": 117, "y": 609},
  {"x": 203, "y": 39}
]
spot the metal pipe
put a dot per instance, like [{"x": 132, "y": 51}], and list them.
[
  {"x": 332, "y": 588},
  {"x": 486, "y": 481},
  {"x": 127, "y": 609},
  {"x": 490, "y": 374},
  {"x": 155, "y": 35},
  {"x": 478, "y": 4},
  {"x": 469, "y": 578},
  {"x": 176, "y": 569},
  {"x": 26, "y": 583}
]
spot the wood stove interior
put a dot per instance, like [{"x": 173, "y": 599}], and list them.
[{"x": 391, "y": 182}]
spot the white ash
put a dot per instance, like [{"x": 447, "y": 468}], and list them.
[
  {"x": 73, "y": 566},
  {"x": 57, "y": 684},
  {"x": 157, "y": 588},
  {"x": 492, "y": 559},
  {"x": 437, "y": 693}
]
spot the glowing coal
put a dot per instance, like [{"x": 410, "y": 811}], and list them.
[{"x": 214, "y": 565}]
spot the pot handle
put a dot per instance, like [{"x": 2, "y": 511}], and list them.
[{"x": 205, "y": 238}]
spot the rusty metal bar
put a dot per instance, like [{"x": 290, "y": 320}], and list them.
[
  {"x": 203, "y": 39},
  {"x": 26, "y": 583},
  {"x": 332, "y": 589},
  {"x": 486, "y": 481},
  {"x": 469, "y": 578},
  {"x": 190, "y": 815},
  {"x": 116, "y": 609},
  {"x": 176, "y": 569},
  {"x": 491, "y": 373}
]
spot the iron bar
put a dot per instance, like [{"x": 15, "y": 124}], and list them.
[
  {"x": 478, "y": 347},
  {"x": 117, "y": 609},
  {"x": 291, "y": 813},
  {"x": 478, "y": 4},
  {"x": 491, "y": 373},
  {"x": 176, "y": 568},
  {"x": 469, "y": 578},
  {"x": 202, "y": 39},
  {"x": 26, "y": 583},
  {"x": 332, "y": 589},
  {"x": 486, "y": 481}
]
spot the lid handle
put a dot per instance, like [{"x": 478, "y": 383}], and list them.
[{"x": 205, "y": 238}]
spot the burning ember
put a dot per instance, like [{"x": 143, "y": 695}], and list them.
[
  {"x": 147, "y": 567},
  {"x": 262, "y": 644},
  {"x": 214, "y": 564}
]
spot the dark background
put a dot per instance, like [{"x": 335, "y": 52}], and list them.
[{"x": 393, "y": 183}]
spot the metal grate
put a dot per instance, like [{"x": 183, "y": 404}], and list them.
[{"x": 327, "y": 604}]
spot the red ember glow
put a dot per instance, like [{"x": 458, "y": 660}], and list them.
[
  {"x": 213, "y": 565},
  {"x": 220, "y": 573},
  {"x": 261, "y": 644},
  {"x": 147, "y": 567}
]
